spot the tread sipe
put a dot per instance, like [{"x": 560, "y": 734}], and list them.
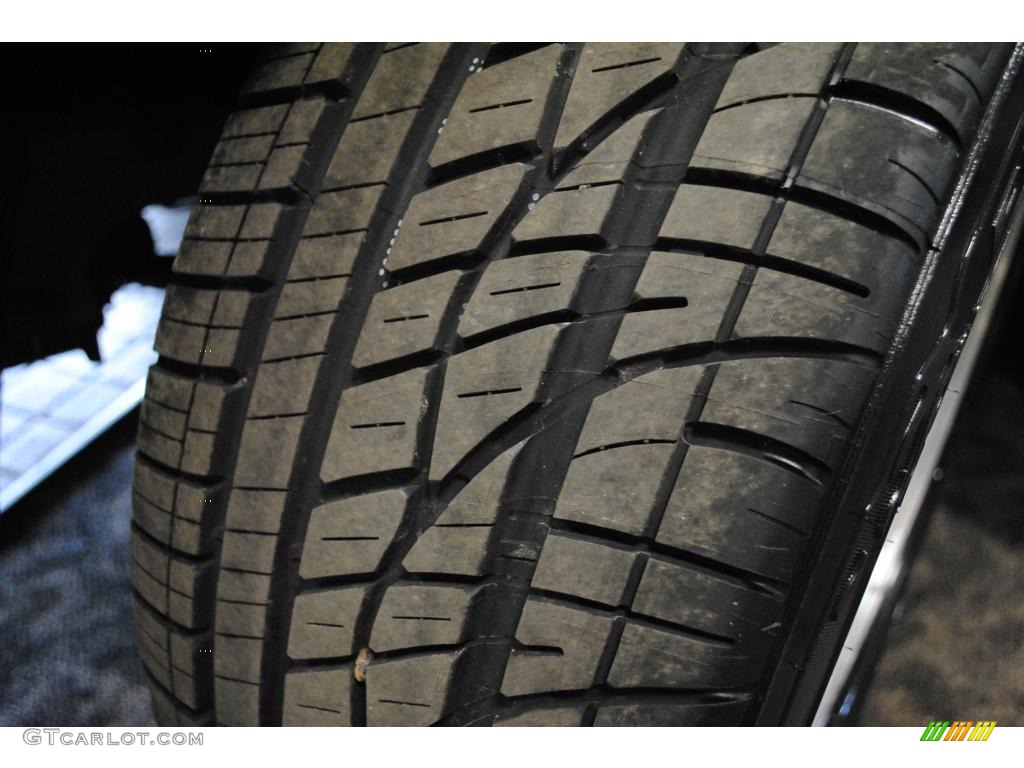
[{"x": 510, "y": 384}]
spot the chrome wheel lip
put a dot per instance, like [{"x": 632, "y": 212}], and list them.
[{"x": 874, "y": 613}]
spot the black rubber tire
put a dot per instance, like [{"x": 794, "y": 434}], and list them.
[{"x": 522, "y": 384}]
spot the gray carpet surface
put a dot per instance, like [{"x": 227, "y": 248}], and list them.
[{"x": 68, "y": 653}]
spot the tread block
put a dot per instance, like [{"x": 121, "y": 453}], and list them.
[
  {"x": 261, "y": 220},
  {"x": 280, "y": 73},
  {"x": 157, "y": 522},
  {"x": 906, "y": 178},
  {"x": 520, "y": 288},
  {"x": 330, "y": 256},
  {"x": 241, "y": 619},
  {"x": 331, "y": 63},
  {"x": 642, "y": 333},
  {"x": 568, "y": 212},
  {"x": 202, "y": 257},
  {"x": 664, "y": 714},
  {"x": 311, "y": 297},
  {"x": 454, "y": 217},
  {"x": 756, "y": 139},
  {"x": 323, "y": 622},
  {"x": 343, "y": 211},
  {"x": 499, "y": 106},
  {"x": 284, "y": 387},
  {"x": 946, "y": 76},
  {"x": 608, "y": 160},
  {"x": 238, "y": 658},
  {"x": 485, "y": 387},
  {"x": 238, "y": 585},
  {"x": 231, "y": 178},
  {"x": 222, "y": 348},
  {"x": 252, "y": 122},
  {"x": 401, "y": 79},
  {"x": 413, "y": 615},
  {"x": 350, "y": 536},
  {"x": 459, "y": 549},
  {"x": 457, "y": 542},
  {"x": 367, "y": 150},
  {"x": 247, "y": 551},
  {"x": 302, "y": 120},
  {"x": 250, "y": 258},
  {"x": 156, "y": 486},
  {"x": 375, "y": 427},
  {"x": 240, "y": 151},
  {"x": 716, "y": 215},
  {"x": 659, "y": 658},
  {"x": 408, "y": 691},
  {"x": 170, "y": 711},
  {"x": 163, "y": 420},
  {"x": 614, "y": 478},
  {"x": 236, "y": 702},
  {"x": 741, "y": 511},
  {"x": 318, "y": 697},
  {"x": 614, "y": 488},
  {"x": 169, "y": 389},
  {"x": 543, "y": 716},
  {"x": 699, "y": 600},
  {"x": 267, "y": 452},
  {"x": 882, "y": 264},
  {"x": 154, "y": 643},
  {"x": 297, "y": 336},
  {"x": 706, "y": 284},
  {"x": 656, "y": 402},
  {"x": 199, "y": 454},
  {"x": 404, "y": 320},
  {"x": 783, "y": 305},
  {"x": 551, "y": 627},
  {"x": 787, "y": 69},
  {"x": 256, "y": 510},
  {"x": 215, "y": 308},
  {"x": 210, "y": 402},
  {"x": 592, "y": 570},
  {"x": 166, "y": 450},
  {"x": 807, "y": 403},
  {"x": 173, "y": 511},
  {"x": 216, "y": 222},
  {"x": 286, "y": 167},
  {"x": 606, "y": 74},
  {"x": 480, "y": 499},
  {"x": 180, "y": 342}
]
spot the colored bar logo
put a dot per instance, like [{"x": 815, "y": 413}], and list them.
[{"x": 958, "y": 730}]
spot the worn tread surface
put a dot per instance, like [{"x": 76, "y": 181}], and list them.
[{"x": 506, "y": 384}]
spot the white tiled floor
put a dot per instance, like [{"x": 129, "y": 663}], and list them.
[{"x": 50, "y": 409}]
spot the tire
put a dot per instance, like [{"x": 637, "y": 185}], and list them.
[{"x": 553, "y": 384}]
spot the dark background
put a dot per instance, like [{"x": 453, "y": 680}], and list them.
[{"x": 102, "y": 131}]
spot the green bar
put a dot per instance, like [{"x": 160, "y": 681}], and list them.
[{"x": 935, "y": 730}]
